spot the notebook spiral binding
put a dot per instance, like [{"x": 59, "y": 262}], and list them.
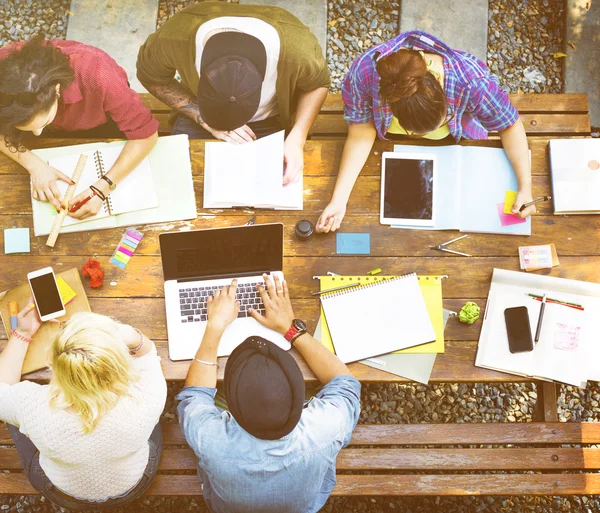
[
  {"x": 376, "y": 282},
  {"x": 107, "y": 205}
]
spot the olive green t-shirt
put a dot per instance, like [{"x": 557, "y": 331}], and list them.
[{"x": 172, "y": 48}]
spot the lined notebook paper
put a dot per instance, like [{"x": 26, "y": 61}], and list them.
[{"x": 377, "y": 318}]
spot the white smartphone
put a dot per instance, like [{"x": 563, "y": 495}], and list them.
[{"x": 45, "y": 294}]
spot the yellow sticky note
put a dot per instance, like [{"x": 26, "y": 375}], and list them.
[
  {"x": 509, "y": 201},
  {"x": 66, "y": 292}
]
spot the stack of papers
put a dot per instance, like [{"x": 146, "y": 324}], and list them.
[{"x": 567, "y": 350}]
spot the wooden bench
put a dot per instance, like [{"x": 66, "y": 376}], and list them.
[
  {"x": 400, "y": 460},
  {"x": 542, "y": 114},
  {"x": 411, "y": 457}
]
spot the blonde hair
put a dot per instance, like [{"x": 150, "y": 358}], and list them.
[{"x": 92, "y": 368}]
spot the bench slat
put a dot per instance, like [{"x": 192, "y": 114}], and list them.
[
  {"x": 551, "y": 103},
  {"x": 330, "y": 124}
]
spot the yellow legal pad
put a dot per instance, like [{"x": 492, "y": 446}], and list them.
[{"x": 431, "y": 287}]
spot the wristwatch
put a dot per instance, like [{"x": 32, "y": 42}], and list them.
[
  {"x": 110, "y": 183},
  {"x": 298, "y": 328}
]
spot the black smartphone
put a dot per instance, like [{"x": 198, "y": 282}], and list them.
[{"x": 518, "y": 329}]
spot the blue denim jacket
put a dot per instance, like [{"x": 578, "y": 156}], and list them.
[{"x": 295, "y": 474}]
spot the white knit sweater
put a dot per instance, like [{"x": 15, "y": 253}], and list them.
[{"x": 105, "y": 463}]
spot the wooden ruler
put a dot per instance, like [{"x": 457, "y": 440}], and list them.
[{"x": 60, "y": 218}]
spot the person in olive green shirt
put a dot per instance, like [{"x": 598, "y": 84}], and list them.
[{"x": 246, "y": 71}]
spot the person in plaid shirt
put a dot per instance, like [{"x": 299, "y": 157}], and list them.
[{"x": 417, "y": 86}]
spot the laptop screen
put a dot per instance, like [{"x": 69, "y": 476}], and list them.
[{"x": 243, "y": 250}]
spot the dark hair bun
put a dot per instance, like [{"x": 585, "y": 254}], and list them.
[{"x": 401, "y": 75}]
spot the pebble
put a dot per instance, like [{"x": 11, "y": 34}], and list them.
[{"x": 19, "y": 20}]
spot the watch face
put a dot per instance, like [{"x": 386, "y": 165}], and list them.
[{"x": 299, "y": 325}]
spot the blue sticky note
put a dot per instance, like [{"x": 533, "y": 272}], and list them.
[
  {"x": 353, "y": 243},
  {"x": 16, "y": 240}
]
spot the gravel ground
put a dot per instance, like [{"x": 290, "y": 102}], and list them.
[
  {"x": 167, "y": 8},
  {"x": 20, "y": 19},
  {"x": 523, "y": 36}
]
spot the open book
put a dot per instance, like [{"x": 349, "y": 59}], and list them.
[
  {"x": 249, "y": 175},
  {"x": 159, "y": 190},
  {"x": 568, "y": 349},
  {"x": 471, "y": 182}
]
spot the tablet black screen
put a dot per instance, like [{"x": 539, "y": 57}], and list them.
[{"x": 408, "y": 189}]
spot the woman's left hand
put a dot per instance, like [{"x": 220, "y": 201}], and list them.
[
  {"x": 28, "y": 319},
  {"x": 522, "y": 198}
]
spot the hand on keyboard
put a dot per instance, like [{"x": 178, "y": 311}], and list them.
[
  {"x": 223, "y": 307},
  {"x": 278, "y": 314}
]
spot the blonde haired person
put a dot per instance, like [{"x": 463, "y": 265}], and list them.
[{"x": 90, "y": 439}]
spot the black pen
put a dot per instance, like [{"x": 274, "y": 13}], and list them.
[
  {"x": 539, "y": 200},
  {"x": 540, "y": 318}
]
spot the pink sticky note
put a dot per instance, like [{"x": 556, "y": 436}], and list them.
[{"x": 508, "y": 219}]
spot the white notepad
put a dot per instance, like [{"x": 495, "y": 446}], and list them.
[
  {"x": 378, "y": 318},
  {"x": 249, "y": 175}
]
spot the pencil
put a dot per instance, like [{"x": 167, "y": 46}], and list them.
[
  {"x": 557, "y": 301},
  {"x": 539, "y": 200},
  {"x": 336, "y": 288},
  {"x": 540, "y": 319}
]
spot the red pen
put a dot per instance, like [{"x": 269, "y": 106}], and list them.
[{"x": 77, "y": 206}]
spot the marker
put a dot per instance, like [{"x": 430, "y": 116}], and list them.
[
  {"x": 13, "y": 309},
  {"x": 539, "y": 200},
  {"x": 540, "y": 318}
]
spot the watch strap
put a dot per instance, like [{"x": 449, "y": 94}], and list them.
[{"x": 110, "y": 183}]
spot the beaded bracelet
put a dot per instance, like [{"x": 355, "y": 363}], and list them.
[
  {"x": 136, "y": 349},
  {"x": 21, "y": 336}
]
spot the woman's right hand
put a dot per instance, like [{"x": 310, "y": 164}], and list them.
[
  {"x": 43, "y": 179},
  {"x": 331, "y": 218}
]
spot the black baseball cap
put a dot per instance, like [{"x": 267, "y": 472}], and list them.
[{"x": 232, "y": 71}]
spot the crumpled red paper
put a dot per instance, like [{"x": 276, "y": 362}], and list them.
[{"x": 92, "y": 270}]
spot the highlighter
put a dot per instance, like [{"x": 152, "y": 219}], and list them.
[{"x": 13, "y": 309}]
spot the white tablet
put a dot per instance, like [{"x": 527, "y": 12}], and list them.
[{"x": 407, "y": 189}]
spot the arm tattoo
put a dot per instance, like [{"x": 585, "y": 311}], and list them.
[{"x": 176, "y": 97}]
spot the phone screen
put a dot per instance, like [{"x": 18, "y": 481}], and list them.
[
  {"x": 46, "y": 294},
  {"x": 518, "y": 329}
]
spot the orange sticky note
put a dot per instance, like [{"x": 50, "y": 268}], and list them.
[{"x": 509, "y": 201}]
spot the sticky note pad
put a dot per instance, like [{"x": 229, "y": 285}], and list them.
[
  {"x": 67, "y": 294},
  {"x": 16, "y": 240},
  {"x": 127, "y": 245},
  {"x": 353, "y": 243},
  {"x": 509, "y": 201},
  {"x": 508, "y": 219}
]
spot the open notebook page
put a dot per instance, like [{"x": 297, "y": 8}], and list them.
[{"x": 136, "y": 191}]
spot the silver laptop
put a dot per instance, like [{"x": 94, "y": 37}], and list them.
[{"x": 196, "y": 263}]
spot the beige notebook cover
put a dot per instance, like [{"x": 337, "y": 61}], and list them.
[{"x": 38, "y": 353}]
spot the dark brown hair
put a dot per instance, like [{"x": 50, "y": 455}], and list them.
[
  {"x": 36, "y": 68},
  {"x": 415, "y": 96}
]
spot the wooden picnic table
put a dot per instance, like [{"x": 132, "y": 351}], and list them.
[{"x": 135, "y": 295}]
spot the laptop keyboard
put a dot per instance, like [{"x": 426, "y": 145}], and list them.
[{"x": 192, "y": 301}]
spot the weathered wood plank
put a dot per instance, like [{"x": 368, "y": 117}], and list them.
[
  {"x": 548, "y": 103},
  {"x": 572, "y": 235},
  {"x": 438, "y": 434},
  {"x": 321, "y": 157},
  {"x": 317, "y": 194},
  {"x": 143, "y": 276},
  {"x": 328, "y": 124},
  {"x": 447, "y": 460}
]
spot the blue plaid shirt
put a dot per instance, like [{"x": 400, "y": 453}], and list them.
[{"x": 472, "y": 92}]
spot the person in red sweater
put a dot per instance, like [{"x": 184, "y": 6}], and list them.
[{"x": 58, "y": 86}]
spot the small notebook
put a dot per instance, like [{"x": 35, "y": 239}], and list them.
[
  {"x": 249, "y": 175},
  {"x": 377, "y": 318},
  {"x": 135, "y": 192}
]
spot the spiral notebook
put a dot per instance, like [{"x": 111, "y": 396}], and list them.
[
  {"x": 377, "y": 318},
  {"x": 135, "y": 192}
]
